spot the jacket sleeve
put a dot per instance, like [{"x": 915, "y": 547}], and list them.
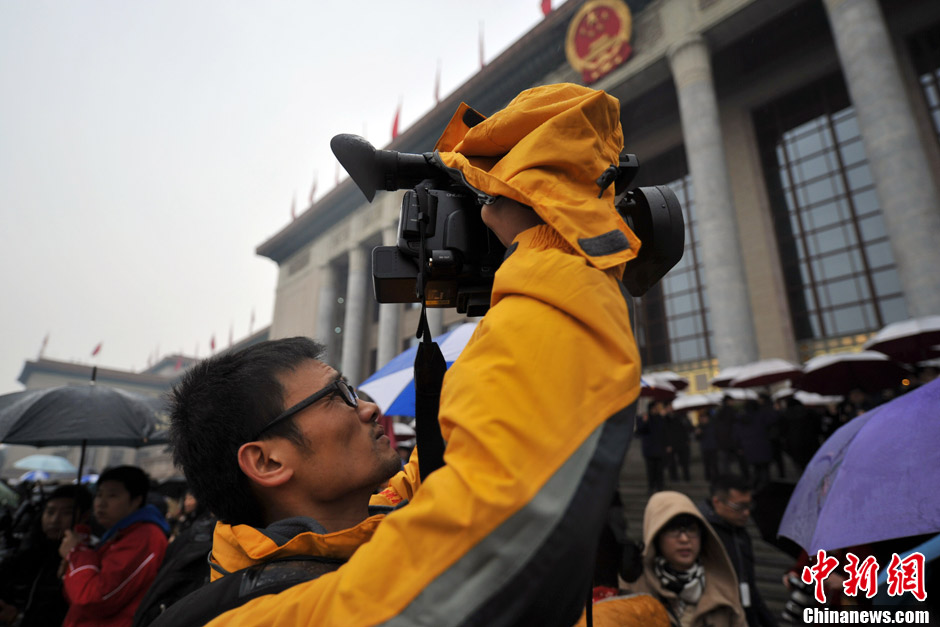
[
  {"x": 106, "y": 582},
  {"x": 537, "y": 413}
]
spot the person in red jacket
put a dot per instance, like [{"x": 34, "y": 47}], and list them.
[{"x": 104, "y": 585}]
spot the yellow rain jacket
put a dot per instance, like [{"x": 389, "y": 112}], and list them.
[{"x": 537, "y": 411}]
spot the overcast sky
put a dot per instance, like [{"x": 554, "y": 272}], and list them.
[{"x": 147, "y": 148}]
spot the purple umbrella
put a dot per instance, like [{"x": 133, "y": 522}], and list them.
[{"x": 874, "y": 479}]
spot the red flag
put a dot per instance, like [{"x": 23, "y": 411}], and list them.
[
  {"x": 179, "y": 363},
  {"x": 437, "y": 84},
  {"x": 293, "y": 208},
  {"x": 313, "y": 190},
  {"x": 395, "y": 122},
  {"x": 212, "y": 343},
  {"x": 97, "y": 349},
  {"x": 546, "y": 7},
  {"x": 482, "y": 62}
]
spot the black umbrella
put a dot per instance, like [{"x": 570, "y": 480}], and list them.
[{"x": 82, "y": 415}]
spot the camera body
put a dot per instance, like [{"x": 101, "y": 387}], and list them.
[{"x": 446, "y": 257}]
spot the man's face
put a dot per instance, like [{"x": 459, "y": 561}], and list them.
[
  {"x": 113, "y": 502},
  {"x": 735, "y": 507},
  {"x": 346, "y": 450},
  {"x": 57, "y": 517}
]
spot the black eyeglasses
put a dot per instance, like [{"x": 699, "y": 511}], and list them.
[
  {"x": 338, "y": 387},
  {"x": 690, "y": 530},
  {"x": 740, "y": 507}
]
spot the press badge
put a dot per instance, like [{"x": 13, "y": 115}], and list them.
[{"x": 745, "y": 595}]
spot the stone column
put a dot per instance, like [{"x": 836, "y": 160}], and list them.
[
  {"x": 906, "y": 190},
  {"x": 326, "y": 301},
  {"x": 354, "y": 323},
  {"x": 435, "y": 321},
  {"x": 723, "y": 266},
  {"x": 389, "y": 315}
]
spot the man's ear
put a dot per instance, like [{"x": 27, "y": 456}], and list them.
[{"x": 261, "y": 462}]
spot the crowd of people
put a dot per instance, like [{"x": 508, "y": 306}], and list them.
[
  {"x": 80, "y": 558},
  {"x": 303, "y": 512}
]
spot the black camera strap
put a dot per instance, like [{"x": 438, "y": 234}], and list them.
[{"x": 429, "y": 377}]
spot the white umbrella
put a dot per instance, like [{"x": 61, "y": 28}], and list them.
[
  {"x": 765, "y": 372},
  {"x": 908, "y": 341},
  {"x": 45, "y": 463},
  {"x": 688, "y": 402},
  {"x": 676, "y": 380},
  {"x": 725, "y": 376},
  {"x": 740, "y": 394},
  {"x": 840, "y": 373},
  {"x": 810, "y": 399},
  {"x": 657, "y": 389}
]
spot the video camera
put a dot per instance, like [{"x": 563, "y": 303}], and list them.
[{"x": 446, "y": 257}]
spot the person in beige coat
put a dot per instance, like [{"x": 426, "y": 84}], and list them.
[{"x": 686, "y": 567}]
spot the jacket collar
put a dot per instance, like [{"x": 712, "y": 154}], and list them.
[
  {"x": 238, "y": 546},
  {"x": 147, "y": 513}
]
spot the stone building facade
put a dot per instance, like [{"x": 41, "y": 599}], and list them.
[{"x": 800, "y": 135}]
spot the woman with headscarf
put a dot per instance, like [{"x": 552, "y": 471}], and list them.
[{"x": 685, "y": 565}]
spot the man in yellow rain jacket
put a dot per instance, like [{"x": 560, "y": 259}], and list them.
[{"x": 537, "y": 413}]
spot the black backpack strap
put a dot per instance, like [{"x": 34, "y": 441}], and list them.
[{"x": 236, "y": 589}]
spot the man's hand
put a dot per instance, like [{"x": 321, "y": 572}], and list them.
[
  {"x": 507, "y": 218},
  {"x": 69, "y": 541}
]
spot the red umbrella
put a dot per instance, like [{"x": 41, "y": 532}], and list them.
[
  {"x": 840, "y": 373},
  {"x": 908, "y": 341}
]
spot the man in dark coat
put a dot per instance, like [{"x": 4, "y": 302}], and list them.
[
  {"x": 802, "y": 428},
  {"x": 708, "y": 444},
  {"x": 724, "y": 418},
  {"x": 753, "y": 431},
  {"x": 678, "y": 429},
  {"x": 727, "y": 510},
  {"x": 651, "y": 427}
]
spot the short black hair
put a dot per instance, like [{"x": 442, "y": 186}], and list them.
[
  {"x": 220, "y": 404},
  {"x": 77, "y": 493},
  {"x": 134, "y": 479},
  {"x": 723, "y": 484}
]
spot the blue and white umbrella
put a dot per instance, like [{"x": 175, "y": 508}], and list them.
[
  {"x": 34, "y": 475},
  {"x": 393, "y": 386}
]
